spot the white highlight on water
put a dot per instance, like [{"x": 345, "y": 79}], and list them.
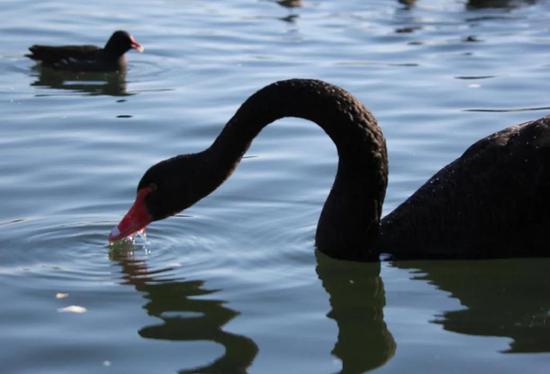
[{"x": 73, "y": 309}]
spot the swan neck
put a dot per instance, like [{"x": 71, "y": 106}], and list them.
[{"x": 349, "y": 222}]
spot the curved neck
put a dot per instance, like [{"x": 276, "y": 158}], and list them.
[{"x": 349, "y": 222}]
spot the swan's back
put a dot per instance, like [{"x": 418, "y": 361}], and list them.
[{"x": 493, "y": 201}]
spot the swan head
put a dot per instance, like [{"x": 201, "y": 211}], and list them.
[{"x": 164, "y": 190}]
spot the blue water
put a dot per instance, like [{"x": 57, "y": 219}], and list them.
[{"x": 234, "y": 284}]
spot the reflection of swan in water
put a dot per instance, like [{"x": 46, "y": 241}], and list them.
[
  {"x": 185, "y": 317},
  {"x": 356, "y": 295},
  {"x": 357, "y": 300},
  {"x": 92, "y": 83},
  {"x": 493, "y": 201},
  {"x": 505, "y": 298}
]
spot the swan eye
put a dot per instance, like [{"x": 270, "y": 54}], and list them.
[{"x": 153, "y": 187}]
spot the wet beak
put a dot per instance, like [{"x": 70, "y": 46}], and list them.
[
  {"x": 134, "y": 44},
  {"x": 135, "y": 220}
]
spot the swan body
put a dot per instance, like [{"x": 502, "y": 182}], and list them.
[{"x": 491, "y": 202}]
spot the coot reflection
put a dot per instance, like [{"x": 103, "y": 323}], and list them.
[{"x": 90, "y": 83}]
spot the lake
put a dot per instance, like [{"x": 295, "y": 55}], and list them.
[{"x": 234, "y": 284}]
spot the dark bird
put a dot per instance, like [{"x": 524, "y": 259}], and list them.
[
  {"x": 87, "y": 57},
  {"x": 493, "y": 201}
]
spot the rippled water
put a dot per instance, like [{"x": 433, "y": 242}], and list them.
[{"x": 233, "y": 284}]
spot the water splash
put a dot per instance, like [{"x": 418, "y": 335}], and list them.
[{"x": 131, "y": 243}]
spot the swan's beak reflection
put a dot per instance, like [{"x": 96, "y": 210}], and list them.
[{"x": 135, "y": 220}]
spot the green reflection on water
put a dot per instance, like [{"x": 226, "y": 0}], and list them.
[
  {"x": 505, "y": 298},
  {"x": 184, "y": 317},
  {"x": 357, "y": 299}
]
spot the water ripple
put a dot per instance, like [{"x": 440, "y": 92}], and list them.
[{"x": 72, "y": 250}]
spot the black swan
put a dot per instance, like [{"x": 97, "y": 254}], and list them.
[
  {"x": 87, "y": 57},
  {"x": 493, "y": 201}
]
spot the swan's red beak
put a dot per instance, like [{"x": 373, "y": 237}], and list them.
[
  {"x": 134, "y": 44},
  {"x": 135, "y": 220}
]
